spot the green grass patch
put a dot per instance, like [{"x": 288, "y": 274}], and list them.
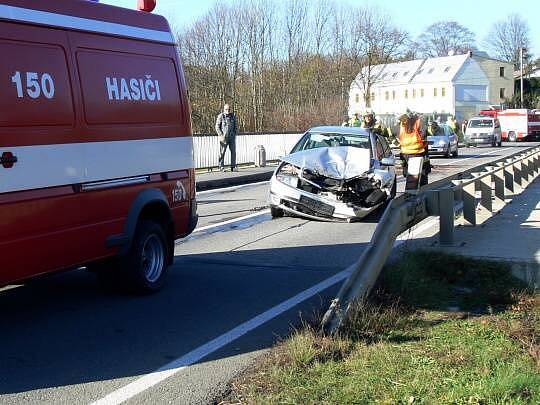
[{"x": 462, "y": 331}]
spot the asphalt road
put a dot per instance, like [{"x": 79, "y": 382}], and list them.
[{"x": 238, "y": 283}]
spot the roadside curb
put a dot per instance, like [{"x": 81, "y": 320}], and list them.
[{"x": 231, "y": 181}]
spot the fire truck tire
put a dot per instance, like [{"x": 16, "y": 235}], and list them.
[{"x": 144, "y": 267}]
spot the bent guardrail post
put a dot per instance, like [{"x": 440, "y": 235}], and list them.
[{"x": 400, "y": 215}]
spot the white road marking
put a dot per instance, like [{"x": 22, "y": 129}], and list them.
[
  {"x": 149, "y": 380},
  {"x": 225, "y": 189},
  {"x": 231, "y": 221}
]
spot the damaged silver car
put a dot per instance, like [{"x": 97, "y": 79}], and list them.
[{"x": 334, "y": 174}]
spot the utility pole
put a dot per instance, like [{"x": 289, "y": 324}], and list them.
[{"x": 521, "y": 74}]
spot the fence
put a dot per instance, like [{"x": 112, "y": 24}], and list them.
[
  {"x": 484, "y": 188},
  {"x": 206, "y": 148}
]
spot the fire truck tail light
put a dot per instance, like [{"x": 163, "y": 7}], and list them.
[{"x": 146, "y": 5}]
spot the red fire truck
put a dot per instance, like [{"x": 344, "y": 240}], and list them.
[
  {"x": 517, "y": 124},
  {"x": 95, "y": 142}
]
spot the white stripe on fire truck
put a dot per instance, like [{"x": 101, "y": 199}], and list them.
[
  {"x": 41, "y": 166},
  {"x": 83, "y": 24}
]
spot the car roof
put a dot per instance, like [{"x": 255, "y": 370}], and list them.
[{"x": 336, "y": 129}]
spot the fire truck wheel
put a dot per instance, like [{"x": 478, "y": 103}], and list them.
[{"x": 145, "y": 265}]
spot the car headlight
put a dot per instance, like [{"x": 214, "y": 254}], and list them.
[{"x": 288, "y": 174}]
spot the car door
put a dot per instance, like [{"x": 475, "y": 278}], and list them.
[
  {"x": 452, "y": 139},
  {"x": 381, "y": 150}
]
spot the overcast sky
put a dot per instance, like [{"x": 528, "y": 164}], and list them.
[{"x": 414, "y": 17}]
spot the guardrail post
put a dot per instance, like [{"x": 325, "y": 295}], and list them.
[
  {"x": 446, "y": 216},
  {"x": 509, "y": 179},
  {"x": 525, "y": 173},
  {"x": 518, "y": 175},
  {"x": 498, "y": 178},
  {"x": 469, "y": 203},
  {"x": 485, "y": 196},
  {"x": 535, "y": 163}
]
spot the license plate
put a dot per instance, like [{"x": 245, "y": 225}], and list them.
[{"x": 325, "y": 209}]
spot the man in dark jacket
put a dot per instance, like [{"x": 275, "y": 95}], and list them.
[{"x": 226, "y": 130}]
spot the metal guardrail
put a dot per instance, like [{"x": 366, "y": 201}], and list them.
[
  {"x": 206, "y": 148},
  {"x": 490, "y": 185}
]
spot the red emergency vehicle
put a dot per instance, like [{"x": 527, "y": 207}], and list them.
[
  {"x": 95, "y": 142},
  {"x": 517, "y": 124}
]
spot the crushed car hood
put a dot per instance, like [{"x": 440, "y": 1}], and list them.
[{"x": 340, "y": 163}]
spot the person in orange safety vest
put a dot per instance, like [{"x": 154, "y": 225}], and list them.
[{"x": 413, "y": 143}]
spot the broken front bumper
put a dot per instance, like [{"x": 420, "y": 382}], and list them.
[{"x": 313, "y": 206}]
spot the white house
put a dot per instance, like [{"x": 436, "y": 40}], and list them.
[{"x": 459, "y": 85}]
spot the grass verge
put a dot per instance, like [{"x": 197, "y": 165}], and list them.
[{"x": 461, "y": 331}]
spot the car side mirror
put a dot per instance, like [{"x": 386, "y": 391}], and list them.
[{"x": 388, "y": 161}]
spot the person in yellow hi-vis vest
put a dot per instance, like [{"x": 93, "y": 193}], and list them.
[{"x": 413, "y": 144}]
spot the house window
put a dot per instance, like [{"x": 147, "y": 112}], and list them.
[
  {"x": 434, "y": 91},
  {"x": 386, "y": 95},
  {"x": 430, "y": 71},
  {"x": 443, "y": 91},
  {"x": 406, "y": 93},
  {"x": 357, "y": 98},
  {"x": 405, "y": 73},
  {"x": 421, "y": 92},
  {"x": 447, "y": 69},
  {"x": 393, "y": 94},
  {"x": 502, "y": 92},
  {"x": 501, "y": 71},
  {"x": 394, "y": 75},
  {"x": 414, "y": 93}
]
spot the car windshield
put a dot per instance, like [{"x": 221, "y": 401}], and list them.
[
  {"x": 481, "y": 124},
  {"x": 313, "y": 140}
]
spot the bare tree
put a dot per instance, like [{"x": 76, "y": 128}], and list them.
[
  {"x": 506, "y": 37},
  {"x": 444, "y": 37},
  {"x": 375, "y": 41}
]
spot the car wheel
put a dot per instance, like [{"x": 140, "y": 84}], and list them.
[
  {"x": 144, "y": 267},
  {"x": 276, "y": 212},
  {"x": 447, "y": 154},
  {"x": 512, "y": 136}
]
